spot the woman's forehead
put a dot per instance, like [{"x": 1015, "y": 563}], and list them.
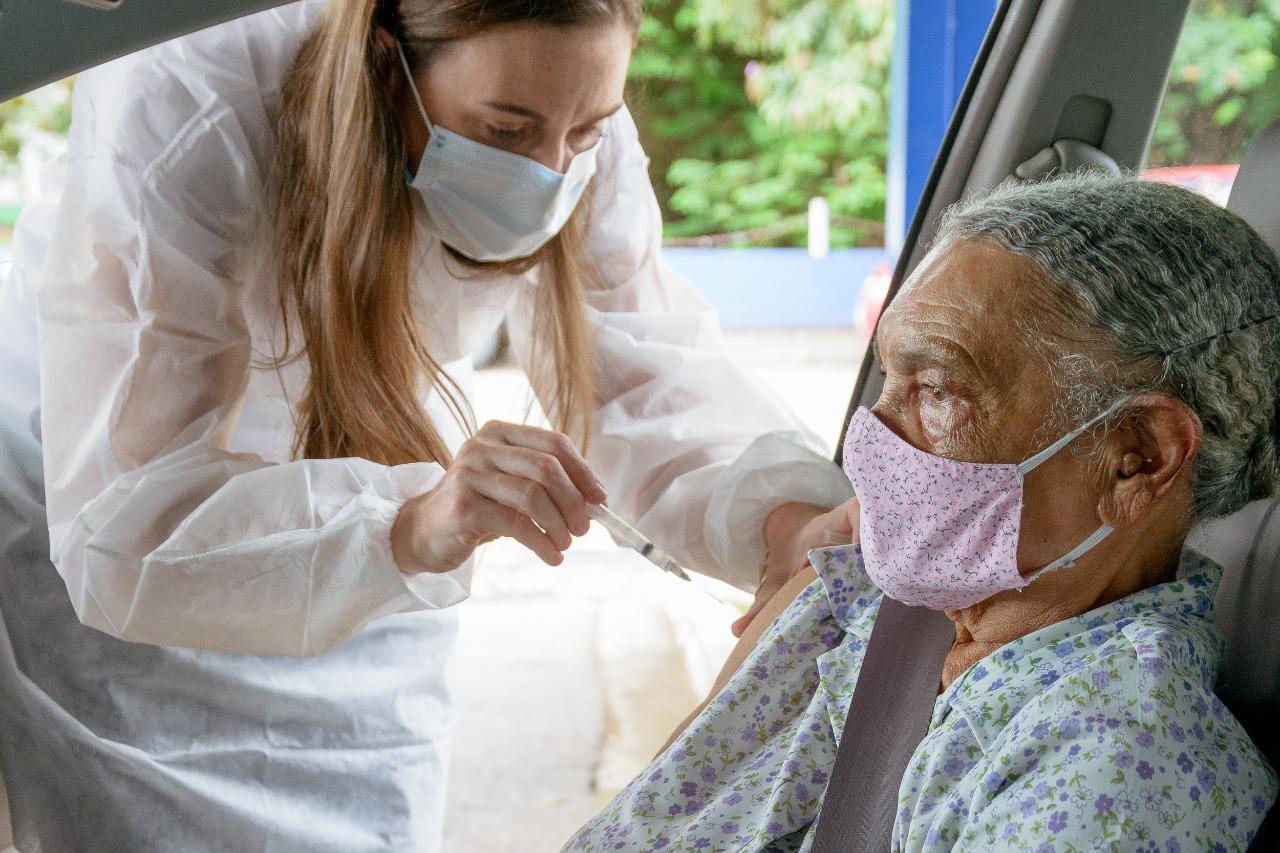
[
  {"x": 971, "y": 300},
  {"x": 555, "y": 72}
]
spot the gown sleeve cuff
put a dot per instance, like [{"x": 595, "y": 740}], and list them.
[
  {"x": 422, "y": 590},
  {"x": 776, "y": 468}
]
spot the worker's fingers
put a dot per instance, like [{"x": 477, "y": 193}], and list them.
[
  {"x": 529, "y": 498},
  {"x": 493, "y": 517},
  {"x": 555, "y": 443},
  {"x": 546, "y": 470}
]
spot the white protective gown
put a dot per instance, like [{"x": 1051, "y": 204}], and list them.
[{"x": 261, "y": 676}]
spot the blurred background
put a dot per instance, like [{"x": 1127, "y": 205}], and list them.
[{"x": 789, "y": 141}]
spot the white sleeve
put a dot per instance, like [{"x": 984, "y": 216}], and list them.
[
  {"x": 691, "y": 446},
  {"x": 162, "y": 535}
]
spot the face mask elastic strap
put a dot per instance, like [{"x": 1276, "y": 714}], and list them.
[
  {"x": 413, "y": 87},
  {"x": 1069, "y": 559},
  {"x": 1027, "y": 466}
]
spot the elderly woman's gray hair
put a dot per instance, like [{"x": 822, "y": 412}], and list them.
[{"x": 1146, "y": 286}]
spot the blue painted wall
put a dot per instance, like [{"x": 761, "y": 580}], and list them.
[
  {"x": 935, "y": 44},
  {"x": 777, "y": 287}
]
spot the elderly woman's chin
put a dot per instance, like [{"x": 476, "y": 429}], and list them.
[{"x": 1078, "y": 372}]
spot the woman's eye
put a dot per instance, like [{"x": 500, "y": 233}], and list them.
[
  {"x": 505, "y": 134},
  {"x": 938, "y": 394},
  {"x": 589, "y": 136}
]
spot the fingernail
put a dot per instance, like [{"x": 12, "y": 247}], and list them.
[{"x": 600, "y": 491}]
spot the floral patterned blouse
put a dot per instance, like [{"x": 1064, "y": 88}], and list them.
[{"x": 1101, "y": 732}]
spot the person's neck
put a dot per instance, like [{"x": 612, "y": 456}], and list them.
[{"x": 1110, "y": 572}]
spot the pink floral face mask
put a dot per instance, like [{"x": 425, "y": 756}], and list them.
[{"x": 937, "y": 532}]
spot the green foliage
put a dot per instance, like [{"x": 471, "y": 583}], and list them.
[
  {"x": 1224, "y": 85},
  {"x": 46, "y": 110},
  {"x": 750, "y": 109}
]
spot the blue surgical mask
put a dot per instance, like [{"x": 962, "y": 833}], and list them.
[{"x": 490, "y": 204}]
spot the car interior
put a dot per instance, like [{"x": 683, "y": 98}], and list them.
[{"x": 1057, "y": 85}]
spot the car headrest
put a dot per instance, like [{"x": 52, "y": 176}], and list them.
[
  {"x": 1247, "y": 544},
  {"x": 1254, "y": 192}
]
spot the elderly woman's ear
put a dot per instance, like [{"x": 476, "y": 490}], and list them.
[{"x": 1148, "y": 461}]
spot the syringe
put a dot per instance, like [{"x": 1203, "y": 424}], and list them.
[{"x": 628, "y": 537}]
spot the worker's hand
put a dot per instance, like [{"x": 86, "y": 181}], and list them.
[
  {"x": 790, "y": 532},
  {"x": 508, "y": 480}
]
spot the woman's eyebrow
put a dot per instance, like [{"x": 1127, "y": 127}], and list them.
[
  {"x": 525, "y": 112},
  {"x": 929, "y": 351},
  {"x": 515, "y": 109}
]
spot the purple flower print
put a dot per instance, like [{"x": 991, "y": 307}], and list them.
[
  {"x": 708, "y": 774},
  {"x": 1057, "y": 822},
  {"x": 1071, "y": 729},
  {"x": 1104, "y": 803},
  {"x": 733, "y": 799},
  {"x": 1184, "y": 763},
  {"x": 818, "y": 777},
  {"x": 660, "y": 842},
  {"x": 702, "y": 844},
  {"x": 1124, "y": 759},
  {"x": 1145, "y": 771},
  {"x": 675, "y": 809},
  {"x": 1040, "y": 730},
  {"x": 1195, "y": 794},
  {"x": 1145, "y": 740},
  {"x": 688, "y": 789}
]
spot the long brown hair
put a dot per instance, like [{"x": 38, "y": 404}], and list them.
[{"x": 342, "y": 234}]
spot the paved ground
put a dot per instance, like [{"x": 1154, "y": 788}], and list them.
[{"x": 568, "y": 680}]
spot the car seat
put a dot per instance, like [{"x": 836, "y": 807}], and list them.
[{"x": 1247, "y": 543}]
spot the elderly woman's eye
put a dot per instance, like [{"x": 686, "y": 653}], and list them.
[{"x": 935, "y": 392}]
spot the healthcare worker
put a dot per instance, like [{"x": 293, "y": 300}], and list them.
[{"x": 259, "y": 275}]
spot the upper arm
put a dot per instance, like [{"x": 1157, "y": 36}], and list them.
[{"x": 781, "y": 600}]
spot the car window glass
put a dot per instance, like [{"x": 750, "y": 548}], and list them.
[{"x": 1224, "y": 86}]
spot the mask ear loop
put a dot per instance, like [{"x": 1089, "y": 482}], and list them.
[
  {"x": 1068, "y": 559},
  {"x": 1029, "y": 465},
  {"x": 413, "y": 87}
]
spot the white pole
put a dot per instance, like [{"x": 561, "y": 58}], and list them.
[{"x": 819, "y": 228}]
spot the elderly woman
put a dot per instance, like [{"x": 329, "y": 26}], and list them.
[{"x": 1078, "y": 372}]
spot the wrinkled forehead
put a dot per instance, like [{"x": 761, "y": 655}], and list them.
[{"x": 968, "y": 307}]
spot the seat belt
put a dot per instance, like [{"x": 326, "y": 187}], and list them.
[{"x": 889, "y": 715}]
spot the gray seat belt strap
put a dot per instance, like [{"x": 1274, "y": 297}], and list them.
[{"x": 888, "y": 717}]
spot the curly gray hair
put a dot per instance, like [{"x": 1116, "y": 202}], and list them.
[{"x": 1148, "y": 286}]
